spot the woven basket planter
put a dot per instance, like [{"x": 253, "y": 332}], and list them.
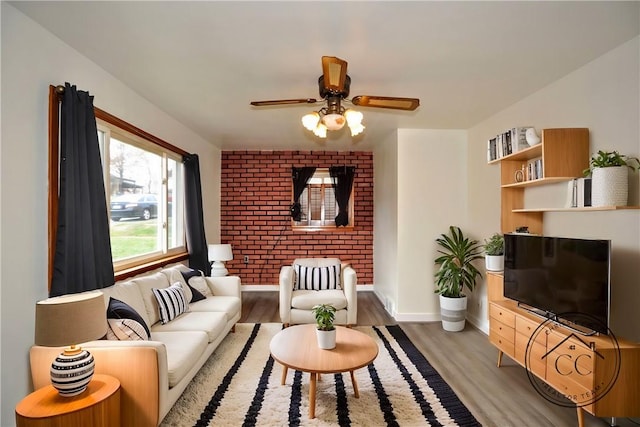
[{"x": 610, "y": 186}]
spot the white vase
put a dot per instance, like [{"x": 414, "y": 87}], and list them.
[
  {"x": 532, "y": 137},
  {"x": 326, "y": 339},
  {"x": 453, "y": 312},
  {"x": 494, "y": 262},
  {"x": 609, "y": 186}
]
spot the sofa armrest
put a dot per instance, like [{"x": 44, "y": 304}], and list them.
[
  {"x": 286, "y": 289},
  {"x": 141, "y": 367},
  {"x": 225, "y": 286},
  {"x": 350, "y": 282}
]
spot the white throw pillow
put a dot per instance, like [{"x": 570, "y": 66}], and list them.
[
  {"x": 200, "y": 284},
  {"x": 317, "y": 278},
  {"x": 171, "y": 302}
]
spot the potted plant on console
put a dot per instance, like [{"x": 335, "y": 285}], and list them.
[
  {"x": 456, "y": 272},
  {"x": 494, "y": 253},
  {"x": 325, "y": 331},
  {"x": 609, "y": 177}
]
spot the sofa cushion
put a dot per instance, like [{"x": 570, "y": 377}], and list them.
[
  {"x": 183, "y": 351},
  {"x": 213, "y": 323},
  {"x": 129, "y": 293},
  {"x": 317, "y": 278},
  {"x": 196, "y": 295},
  {"x": 174, "y": 275},
  {"x": 171, "y": 302},
  {"x": 200, "y": 284},
  {"x": 306, "y": 300},
  {"x": 146, "y": 283},
  {"x": 125, "y": 323},
  {"x": 226, "y": 304}
]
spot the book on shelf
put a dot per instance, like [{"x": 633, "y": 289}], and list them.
[
  {"x": 579, "y": 193},
  {"x": 505, "y": 143}
]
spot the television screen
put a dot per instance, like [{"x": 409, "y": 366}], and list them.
[{"x": 563, "y": 277}]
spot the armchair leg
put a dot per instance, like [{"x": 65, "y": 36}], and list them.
[{"x": 286, "y": 325}]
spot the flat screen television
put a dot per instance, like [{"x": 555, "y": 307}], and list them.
[{"x": 563, "y": 279}]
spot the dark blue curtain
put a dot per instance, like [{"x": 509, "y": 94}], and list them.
[
  {"x": 194, "y": 218},
  {"x": 300, "y": 178},
  {"x": 342, "y": 177},
  {"x": 82, "y": 259}
]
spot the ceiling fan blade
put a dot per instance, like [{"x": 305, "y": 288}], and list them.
[
  {"x": 334, "y": 71},
  {"x": 394, "y": 103},
  {"x": 284, "y": 102}
]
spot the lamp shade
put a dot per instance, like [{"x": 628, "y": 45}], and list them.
[
  {"x": 220, "y": 252},
  {"x": 70, "y": 320}
]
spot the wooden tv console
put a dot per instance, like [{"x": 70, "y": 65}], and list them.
[{"x": 587, "y": 370}]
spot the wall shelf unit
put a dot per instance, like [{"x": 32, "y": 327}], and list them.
[{"x": 564, "y": 154}]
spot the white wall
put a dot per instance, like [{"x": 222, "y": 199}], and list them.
[
  {"x": 604, "y": 96},
  {"x": 432, "y": 188},
  {"x": 32, "y": 59},
  {"x": 385, "y": 220}
]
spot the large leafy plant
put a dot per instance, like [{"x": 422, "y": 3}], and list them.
[
  {"x": 606, "y": 159},
  {"x": 324, "y": 314},
  {"x": 456, "y": 271}
]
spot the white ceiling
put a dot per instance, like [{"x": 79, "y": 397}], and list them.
[{"x": 203, "y": 62}]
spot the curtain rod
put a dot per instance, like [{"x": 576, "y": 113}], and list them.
[{"x": 60, "y": 89}]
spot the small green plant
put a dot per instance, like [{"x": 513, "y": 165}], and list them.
[
  {"x": 324, "y": 314},
  {"x": 456, "y": 263},
  {"x": 494, "y": 245},
  {"x": 606, "y": 159}
]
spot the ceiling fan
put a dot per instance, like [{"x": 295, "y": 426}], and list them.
[{"x": 334, "y": 84}]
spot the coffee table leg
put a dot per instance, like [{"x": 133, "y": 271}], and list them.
[
  {"x": 284, "y": 374},
  {"x": 355, "y": 385},
  {"x": 312, "y": 395}
]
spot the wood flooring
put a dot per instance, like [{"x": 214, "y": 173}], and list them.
[{"x": 500, "y": 397}]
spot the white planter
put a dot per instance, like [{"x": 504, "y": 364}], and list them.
[
  {"x": 609, "y": 186},
  {"x": 453, "y": 312},
  {"x": 326, "y": 339},
  {"x": 494, "y": 262}
]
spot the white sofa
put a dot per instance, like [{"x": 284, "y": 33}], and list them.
[
  {"x": 296, "y": 304},
  {"x": 154, "y": 373}
]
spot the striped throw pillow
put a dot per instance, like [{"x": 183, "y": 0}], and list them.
[
  {"x": 171, "y": 302},
  {"x": 317, "y": 278}
]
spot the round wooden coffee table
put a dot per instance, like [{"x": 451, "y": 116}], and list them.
[{"x": 296, "y": 347}]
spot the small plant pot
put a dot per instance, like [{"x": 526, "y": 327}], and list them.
[
  {"x": 326, "y": 339},
  {"x": 494, "y": 262},
  {"x": 453, "y": 312},
  {"x": 610, "y": 186}
]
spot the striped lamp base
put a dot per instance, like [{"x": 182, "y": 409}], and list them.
[{"x": 72, "y": 371}]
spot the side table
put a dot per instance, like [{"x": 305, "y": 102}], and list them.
[{"x": 97, "y": 406}]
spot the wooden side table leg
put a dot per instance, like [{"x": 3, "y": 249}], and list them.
[
  {"x": 356, "y": 393},
  {"x": 312, "y": 395},
  {"x": 285, "y": 369},
  {"x": 499, "y": 358},
  {"x": 580, "y": 417}
]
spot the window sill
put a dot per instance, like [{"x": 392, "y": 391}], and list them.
[
  {"x": 326, "y": 229},
  {"x": 125, "y": 273}
]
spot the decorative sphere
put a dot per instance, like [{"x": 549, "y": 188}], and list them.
[{"x": 71, "y": 373}]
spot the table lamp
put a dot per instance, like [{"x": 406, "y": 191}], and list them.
[
  {"x": 217, "y": 255},
  {"x": 67, "y": 321}
]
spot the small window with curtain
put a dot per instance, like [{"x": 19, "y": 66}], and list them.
[{"x": 318, "y": 204}]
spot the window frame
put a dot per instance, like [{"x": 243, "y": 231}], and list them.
[
  {"x": 331, "y": 226},
  {"x": 125, "y": 270}
]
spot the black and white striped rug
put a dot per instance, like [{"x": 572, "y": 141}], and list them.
[{"x": 240, "y": 386}]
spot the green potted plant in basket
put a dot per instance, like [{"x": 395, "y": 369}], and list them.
[
  {"x": 609, "y": 177},
  {"x": 325, "y": 330},
  {"x": 456, "y": 272},
  {"x": 494, "y": 252}
]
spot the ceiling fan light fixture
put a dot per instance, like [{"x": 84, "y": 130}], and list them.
[
  {"x": 334, "y": 121},
  {"x": 320, "y": 131},
  {"x": 356, "y": 129},
  {"x": 310, "y": 121},
  {"x": 353, "y": 117}
]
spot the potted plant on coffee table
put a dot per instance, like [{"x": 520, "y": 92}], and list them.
[
  {"x": 609, "y": 177},
  {"x": 494, "y": 252},
  {"x": 456, "y": 272},
  {"x": 325, "y": 330}
]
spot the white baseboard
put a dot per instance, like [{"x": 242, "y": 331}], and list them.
[
  {"x": 417, "y": 317},
  {"x": 271, "y": 288}
]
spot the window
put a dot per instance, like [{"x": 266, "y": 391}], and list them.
[
  {"x": 144, "y": 183},
  {"x": 318, "y": 203}
]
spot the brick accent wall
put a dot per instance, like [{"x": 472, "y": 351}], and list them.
[{"x": 256, "y": 192}]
